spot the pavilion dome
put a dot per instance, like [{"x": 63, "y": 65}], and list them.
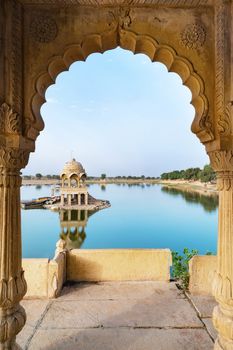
[{"x": 73, "y": 168}]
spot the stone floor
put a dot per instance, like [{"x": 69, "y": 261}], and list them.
[{"x": 119, "y": 316}]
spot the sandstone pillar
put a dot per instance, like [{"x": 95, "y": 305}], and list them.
[
  {"x": 222, "y": 163},
  {"x": 79, "y": 199},
  {"x": 12, "y": 283}
]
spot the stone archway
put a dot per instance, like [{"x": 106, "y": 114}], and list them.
[
  {"x": 41, "y": 38},
  {"x": 136, "y": 43}
]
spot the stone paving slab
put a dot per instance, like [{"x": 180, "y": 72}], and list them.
[
  {"x": 210, "y": 327},
  {"x": 35, "y": 310},
  {"x": 119, "y": 291},
  {"x": 112, "y": 316},
  {"x": 203, "y": 304},
  {"x": 149, "y": 312},
  {"x": 122, "y": 339}
]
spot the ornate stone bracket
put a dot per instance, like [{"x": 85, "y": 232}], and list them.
[
  {"x": 13, "y": 158},
  {"x": 10, "y": 121}
]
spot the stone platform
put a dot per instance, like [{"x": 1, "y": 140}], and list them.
[{"x": 119, "y": 316}]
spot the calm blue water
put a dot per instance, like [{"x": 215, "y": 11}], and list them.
[{"x": 139, "y": 217}]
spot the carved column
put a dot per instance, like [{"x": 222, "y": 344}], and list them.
[
  {"x": 222, "y": 163},
  {"x": 12, "y": 283},
  {"x": 86, "y": 199}
]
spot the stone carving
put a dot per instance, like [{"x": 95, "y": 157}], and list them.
[
  {"x": 121, "y": 18},
  {"x": 202, "y": 125},
  {"x": 222, "y": 287},
  {"x": 222, "y": 163},
  {"x": 10, "y": 121},
  {"x": 224, "y": 126},
  {"x": 125, "y": 19},
  {"x": 193, "y": 36},
  {"x": 43, "y": 29},
  {"x": 224, "y": 119},
  {"x": 221, "y": 160},
  {"x": 169, "y": 3},
  {"x": 16, "y": 57},
  {"x": 12, "y": 290},
  {"x": 13, "y": 158},
  {"x": 11, "y": 324}
]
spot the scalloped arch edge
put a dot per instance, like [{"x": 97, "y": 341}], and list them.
[{"x": 136, "y": 43}]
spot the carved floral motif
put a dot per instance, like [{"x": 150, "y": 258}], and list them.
[
  {"x": 221, "y": 160},
  {"x": 224, "y": 124},
  {"x": 10, "y": 121},
  {"x": 222, "y": 163},
  {"x": 43, "y": 29},
  {"x": 12, "y": 323},
  {"x": 13, "y": 158},
  {"x": 12, "y": 290},
  {"x": 193, "y": 36}
]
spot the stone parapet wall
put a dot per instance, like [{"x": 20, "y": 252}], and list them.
[
  {"x": 44, "y": 277},
  {"x": 119, "y": 265},
  {"x": 202, "y": 270}
]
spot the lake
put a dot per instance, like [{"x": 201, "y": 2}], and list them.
[{"x": 141, "y": 216}]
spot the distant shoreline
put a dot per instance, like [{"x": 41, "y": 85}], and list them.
[{"x": 197, "y": 186}]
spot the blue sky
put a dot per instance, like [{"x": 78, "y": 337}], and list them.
[{"x": 118, "y": 114}]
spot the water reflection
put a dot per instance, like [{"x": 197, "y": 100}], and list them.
[
  {"x": 209, "y": 202},
  {"x": 73, "y": 224}
]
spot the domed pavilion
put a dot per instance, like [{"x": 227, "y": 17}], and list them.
[{"x": 73, "y": 187}]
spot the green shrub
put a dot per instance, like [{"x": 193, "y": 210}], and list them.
[{"x": 180, "y": 267}]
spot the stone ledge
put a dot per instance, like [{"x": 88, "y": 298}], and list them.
[{"x": 119, "y": 265}]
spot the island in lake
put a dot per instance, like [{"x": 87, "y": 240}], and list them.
[{"x": 73, "y": 192}]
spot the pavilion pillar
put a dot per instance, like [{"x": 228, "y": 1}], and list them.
[
  {"x": 62, "y": 199},
  {"x": 79, "y": 199},
  {"x": 222, "y": 163},
  {"x": 12, "y": 283},
  {"x": 86, "y": 199},
  {"x": 69, "y": 199}
]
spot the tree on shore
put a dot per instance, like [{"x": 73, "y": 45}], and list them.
[
  {"x": 103, "y": 176},
  {"x": 204, "y": 175}
]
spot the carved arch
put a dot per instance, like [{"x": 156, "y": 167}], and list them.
[{"x": 136, "y": 43}]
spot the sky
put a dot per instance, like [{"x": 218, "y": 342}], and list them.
[{"x": 118, "y": 114}]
